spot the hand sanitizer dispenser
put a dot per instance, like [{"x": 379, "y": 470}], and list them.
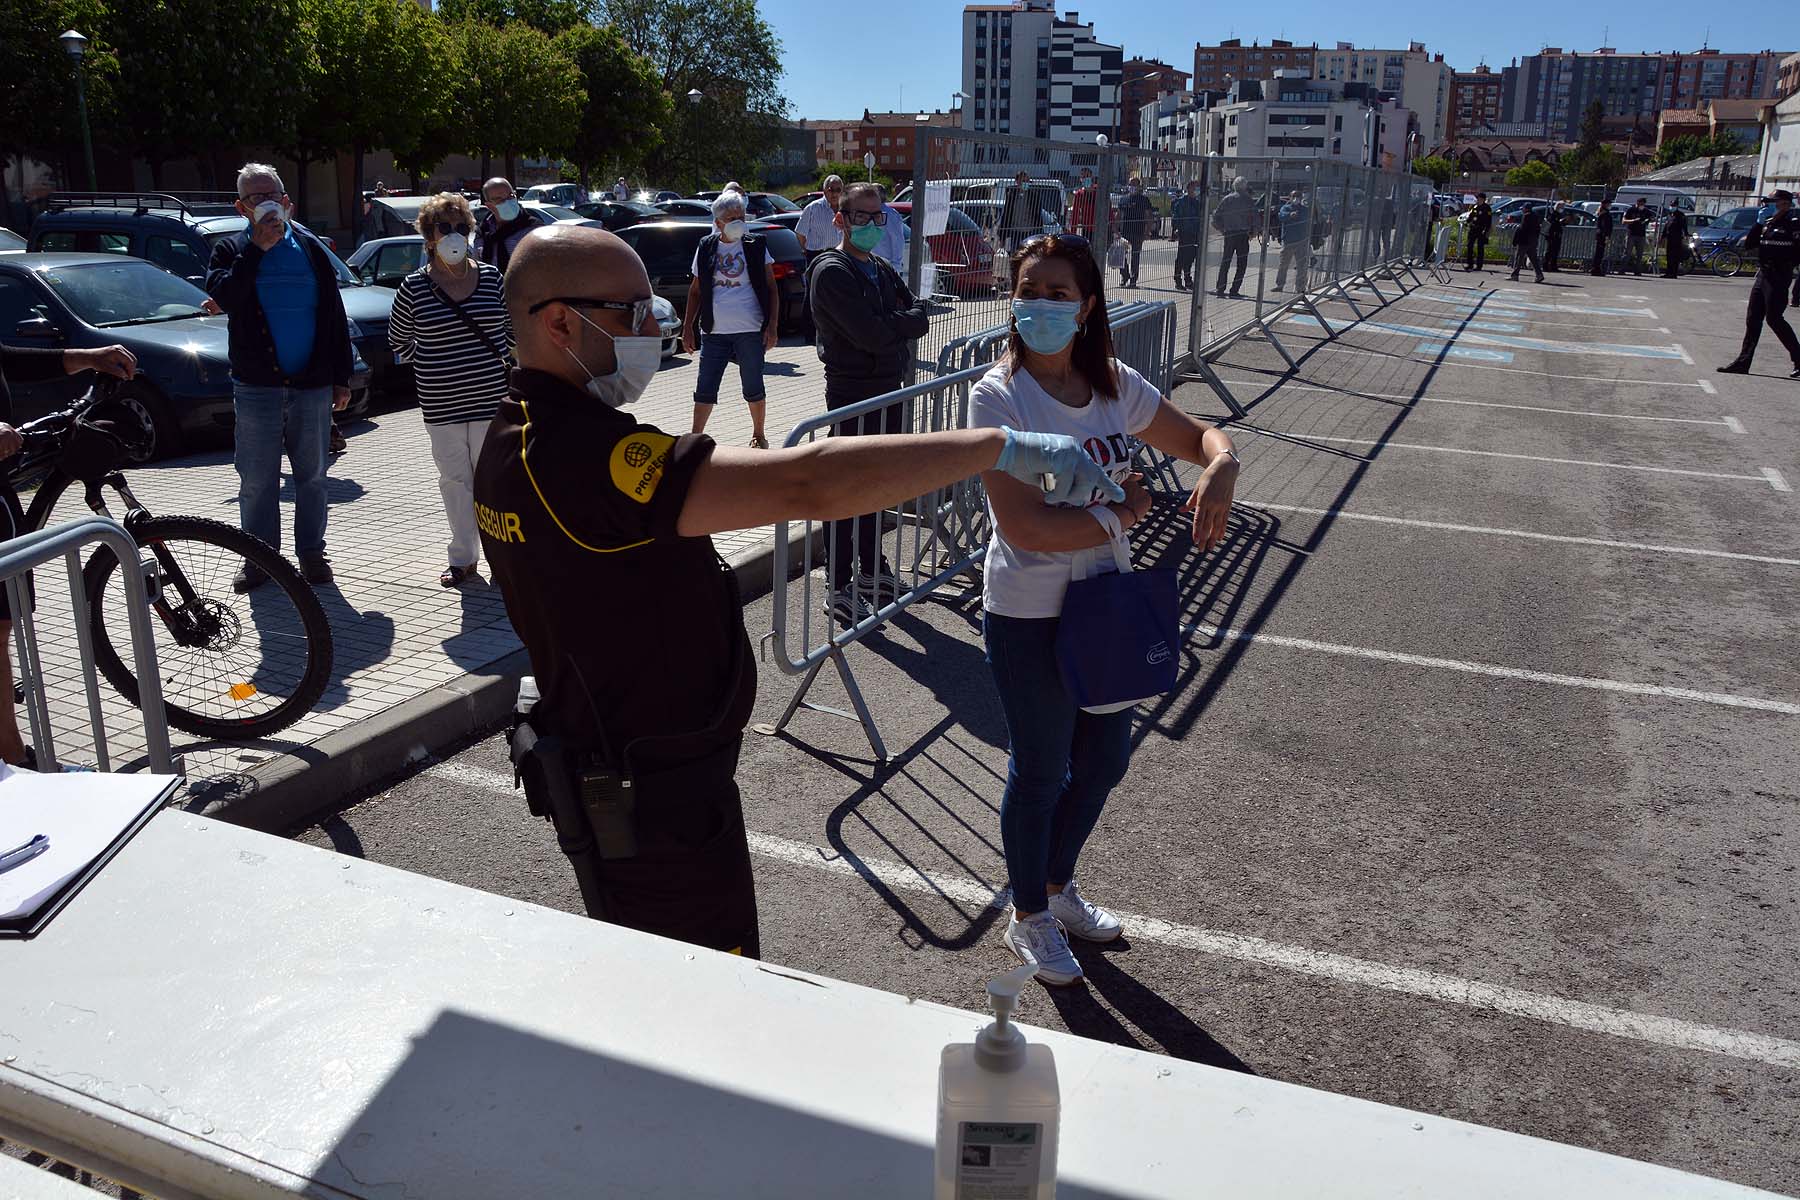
[{"x": 998, "y": 1106}]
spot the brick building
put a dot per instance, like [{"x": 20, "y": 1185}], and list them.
[
  {"x": 1145, "y": 79},
  {"x": 892, "y": 137},
  {"x": 1475, "y": 101},
  {"x": 1216, "y": 67}
]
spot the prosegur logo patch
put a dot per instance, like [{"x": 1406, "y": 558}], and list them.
[{"x": 637, "y": 464}]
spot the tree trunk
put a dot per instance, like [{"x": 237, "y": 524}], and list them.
[
  {"x": 487, "y": 165},
  {"x": 512, "y": 166},
  {"x": 301, "y": 189}
]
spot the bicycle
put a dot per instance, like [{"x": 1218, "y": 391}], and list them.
[
  {"x": 234, "y": 667},
  {"x": 1724, "y": 259}
]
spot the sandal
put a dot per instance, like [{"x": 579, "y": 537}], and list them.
[{"x": 456, "y": 576}]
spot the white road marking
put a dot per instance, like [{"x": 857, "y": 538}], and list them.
[
  {"x": 1626, "y": 687},
  {"x": 1322, "y": 349},
  {"x": 1730, "y": 423},
  {"x": 1649, "y": 1028},
  {"x": 1623, "y": 296},
  {"x": 1769, "y": 475},
  {"x": 1685, "y": 356},
  {"x": 1707, "y": 387},
  {"x": 1695, "y": 300},
  {"x": 1529, "y": 534}
]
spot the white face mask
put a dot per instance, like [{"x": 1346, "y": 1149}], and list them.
[
  {"x": 638, "y": 359},
  {"x": 453, "y": 249},
  {"x": 507, "y": 209},
  {"x": 733, "y": 231},
  {"x": 267, "y": 207}
]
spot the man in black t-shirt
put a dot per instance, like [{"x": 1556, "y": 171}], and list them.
[
  {"x": 598, "y": 527},
  {"x": 32, "y": 366}
]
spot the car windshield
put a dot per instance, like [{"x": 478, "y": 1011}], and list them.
[
  {"x": 127, "y": 292},
  {"x": 559, "y": 213},
  {"x": 10, "y": 240},
  {"x": 781, "y": 203}
]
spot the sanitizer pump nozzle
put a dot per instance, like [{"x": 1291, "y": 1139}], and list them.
[{"x": 1000, "y": 1046}]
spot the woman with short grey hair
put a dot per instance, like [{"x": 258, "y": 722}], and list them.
[{"x": 733, "y": 312}]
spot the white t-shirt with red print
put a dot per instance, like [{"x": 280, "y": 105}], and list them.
[{"x": 1028, "y": 583}]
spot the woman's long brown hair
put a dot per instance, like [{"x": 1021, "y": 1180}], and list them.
[{"x": 1092, "y": 354}]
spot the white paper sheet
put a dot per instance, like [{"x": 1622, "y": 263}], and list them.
[{"x": 81, "y": 814}]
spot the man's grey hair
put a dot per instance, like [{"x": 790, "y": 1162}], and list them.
[
  {"x": 727, "y": 202},
  {"x": 858, "y": 190},
  {"x": 735, "y": 186},
  {"x": 1240, "y": 184},
  {"x": 830, "y": 180},
  {"x": 256, "y": 170}
]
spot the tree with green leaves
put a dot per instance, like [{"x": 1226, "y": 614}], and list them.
[
  {"x": 1690, "y": 146},
  {"x": 518, "y": 92},
  {"x": 726, "y": 51},
  {"x": 549, "y": 16},
  {"x": 37, "y": 99},
  {"x": 625, "y": 111},
  {"x": 206, "y": 89},
  {"x": 1436, "y": 168},
  {"x": 1534, "y": 174}
]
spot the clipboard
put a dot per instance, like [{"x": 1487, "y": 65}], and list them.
[{"x": 30, "y": 924}]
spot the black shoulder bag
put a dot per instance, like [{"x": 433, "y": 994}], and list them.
[{"x": 468, "y": 321}]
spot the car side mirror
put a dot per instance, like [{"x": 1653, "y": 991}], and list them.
[
  {"x": 366, "y": 272},
  {"x": 37, "y": 327}
]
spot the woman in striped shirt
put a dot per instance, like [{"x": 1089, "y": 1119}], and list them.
[{"x": 450, "y": 322}]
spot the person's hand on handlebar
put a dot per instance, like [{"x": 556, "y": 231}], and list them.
[
  {"x": 10, "y": 441},
  {"x": 109, "y": 360}
]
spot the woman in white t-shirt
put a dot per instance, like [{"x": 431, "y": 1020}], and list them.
[{"x": 1060, "y": 377}]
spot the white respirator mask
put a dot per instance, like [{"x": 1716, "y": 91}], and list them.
[
  {"x": 638, "y": 360},
  {"x": 453, "y": 249},
  {"x": 268, "y": 208},
  {"x": 733, "y": 231}
]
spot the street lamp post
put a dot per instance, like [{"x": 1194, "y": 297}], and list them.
[
  {"x": 76, "y": 46},
  {"x": 694, "y": 97}
]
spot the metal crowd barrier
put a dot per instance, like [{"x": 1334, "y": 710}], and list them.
[
  {"x": 17, "y": 559},
  {"x": 934, "y": 538}
]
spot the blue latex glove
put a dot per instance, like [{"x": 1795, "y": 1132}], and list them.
[{"x": 1073, "y": 475}]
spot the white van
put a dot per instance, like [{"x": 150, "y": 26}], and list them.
[{"x": 1659, "y": 198}]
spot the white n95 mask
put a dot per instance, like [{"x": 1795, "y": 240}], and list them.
[
  {"x": 267, "y": 207},
  {"x": 453, "y": 248}
]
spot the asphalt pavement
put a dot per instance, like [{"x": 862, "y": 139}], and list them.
[{"x": 1478, "y": 795}]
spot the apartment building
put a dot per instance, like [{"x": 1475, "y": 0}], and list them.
[
  {"x": 1217, "y": 67},
  {"x": 1556, "y": 87},
  {"x": 1415, "y": 78},
  {"x": 1475, "y": 101},
  {"x": 1144, "y": 79},
  {"x": 1028, "y": 71}
]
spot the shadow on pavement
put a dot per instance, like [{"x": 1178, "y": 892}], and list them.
[{"x": 1164, "y": 1024}]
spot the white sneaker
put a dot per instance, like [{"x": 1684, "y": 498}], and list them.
[
  {"x": 1082, "y": 917},
  {"x": 1039, "y": 939}
]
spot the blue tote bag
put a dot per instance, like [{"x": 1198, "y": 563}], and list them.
[{"x": 1117, "y": 641}]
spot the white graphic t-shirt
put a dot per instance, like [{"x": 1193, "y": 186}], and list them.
[
  {"x": 735, "y": 309},
  {"x": 1028, "y": 583}
]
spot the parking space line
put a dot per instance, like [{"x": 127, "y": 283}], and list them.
[
  {"x": 1648, "y": 1028},
  {"x": 1768, "y": 475},
  {"x": 1704, "y": 385},
  {"x": 1509, "y": 341},
  {"x": 1730, "y": 423},
  {"x": 1623, "y": 686},
  {"x": 1685, "y": 356},
  {"x": 1527, "y": 534}
]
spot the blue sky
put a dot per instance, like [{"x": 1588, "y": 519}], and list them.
[{"x": 842, "y": 58}]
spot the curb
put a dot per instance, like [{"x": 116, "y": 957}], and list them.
[{"x": 294, "y": 789}]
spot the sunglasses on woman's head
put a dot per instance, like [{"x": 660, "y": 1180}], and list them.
[
  {"x": 1062, "y": 239},
  {"x": 445, "y": 228}
]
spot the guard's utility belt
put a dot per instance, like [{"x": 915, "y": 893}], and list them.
[{"x": 591, "y": 799}]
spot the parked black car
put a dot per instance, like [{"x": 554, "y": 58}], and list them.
[
  {"x": 81, "y": 301},
  {"x": 667, "y": 248},
  {"x": 178, "y": 235},
  {"x": 617, "y": 214}
]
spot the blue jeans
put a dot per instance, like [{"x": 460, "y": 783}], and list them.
[
  {"x": 1063, "y": 764},
  {"x": 269, "y": 420},
  {"x": 718, "y": 350}
]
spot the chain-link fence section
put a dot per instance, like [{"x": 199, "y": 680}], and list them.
[{"x": 1236, "y": 243}]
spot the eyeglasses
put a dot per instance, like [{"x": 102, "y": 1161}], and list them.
[
  {"x": 445, "y": 228},
  {"x": 639, "y": 309},
  {"x": 255, "y": 198},
  {"x": 855, "y": 216}
]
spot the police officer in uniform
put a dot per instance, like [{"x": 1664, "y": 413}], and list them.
[
  {"x": 597, "y": 529},
  {"x": 1480, "y": 221},
  {"x": 1777, "y": 245},
  {"x": 1603, "y": 226},
  {"x": 1554, "y": 221}
]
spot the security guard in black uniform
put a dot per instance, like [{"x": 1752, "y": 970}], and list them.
[
  {"x": 1777, "y": 245},
  {"x": 597, "y": 529}
]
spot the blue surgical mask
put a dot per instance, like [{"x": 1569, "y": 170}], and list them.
[{"x": 1047, "y": 325}]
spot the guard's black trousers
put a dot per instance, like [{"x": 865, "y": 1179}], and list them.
[
  {"x": 1553, "y": 251},
  {"x": 1186, "y": 252},
  {"x": 1525, "y": 254},
  {"x": 1768, "y": 298},
  {"x": 1477, "y": 250}
]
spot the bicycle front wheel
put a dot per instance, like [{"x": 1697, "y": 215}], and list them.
[
  {"x": 1728, "y": 263},
  {"x": 233, "y": 666}
]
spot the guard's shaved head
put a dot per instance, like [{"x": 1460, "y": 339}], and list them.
[{"x": 572, "y": 261}]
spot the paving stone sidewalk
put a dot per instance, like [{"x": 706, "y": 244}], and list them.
[{"x": 396, "y": 632}]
